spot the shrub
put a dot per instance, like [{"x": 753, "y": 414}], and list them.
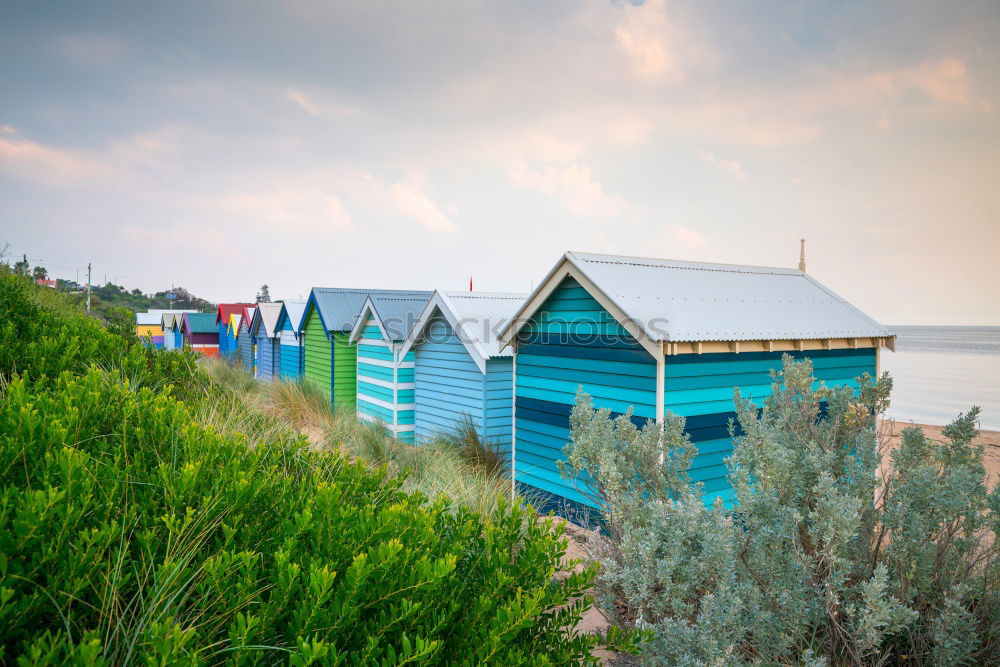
[
  {"x": 130, "y": 530},
  {"x": 42, "y": 334},
  {"x": 837, "y": 551}
]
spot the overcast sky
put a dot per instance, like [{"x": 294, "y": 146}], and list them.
[{"x": 222, "y": 145}]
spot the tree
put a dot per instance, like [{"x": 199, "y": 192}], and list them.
[
  {"x": 837, "y": 551},
  {"x": 39, "y": 273},
  {"x": 264, "y": 295},
  {"x": 21, "y": 267}
]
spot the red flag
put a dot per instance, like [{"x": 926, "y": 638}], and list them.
[{"x": 470, "y": 283}]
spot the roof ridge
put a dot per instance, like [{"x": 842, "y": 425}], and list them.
[{"x": 687, "y": 263}]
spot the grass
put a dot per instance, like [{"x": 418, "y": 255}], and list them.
[{"x": 460, "y": 465}]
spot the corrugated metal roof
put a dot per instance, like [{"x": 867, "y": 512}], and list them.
[
  {"x": 340, "y": 307},
  {"x": 476, "y": 317},
  {"x": 224, "y": 310},
  {"x": 201, "y": 323},
  {"x": 294, "y": 309},
  {"x": 483, "y": 315},
  {"x": 692, "y": 301},
  {"x": 171, "y": 316},
  {"x": 267, "y": 314},
  {"x": 154, "y": 316},
  {"x": 247, "y": 313},
  {"x": 397, "y": 313},
  {"x": 671, "y": 300}
]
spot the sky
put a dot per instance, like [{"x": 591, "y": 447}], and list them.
[{"x": 222, "y": 145}]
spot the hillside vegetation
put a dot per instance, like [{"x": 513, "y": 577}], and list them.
[{"x": 146, "y": 515}]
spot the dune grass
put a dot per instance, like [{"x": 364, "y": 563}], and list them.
[{"x": 460, "y": 465}]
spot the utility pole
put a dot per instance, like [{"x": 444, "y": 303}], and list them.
[{"x": 88, "y": 288}]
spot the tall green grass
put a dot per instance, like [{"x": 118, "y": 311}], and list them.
[{"x": 460, "y": 465}]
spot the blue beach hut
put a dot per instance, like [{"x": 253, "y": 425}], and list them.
[
  {"x": 661, "y": 335},
  {"x": 264, "y": 332},
  {"x": 384, "y": 374},
  {"x": 289, "y": 342},
  {"x": 223, "y": 319},
  {"x": 244, "y": 341},
  {"x": 460, "y": 373},
  {"x": 172, "y": 339}
]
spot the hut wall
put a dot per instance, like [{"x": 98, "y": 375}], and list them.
[
  {"x": 385, "y": 383},
  {"x": 318, "y": 360}
]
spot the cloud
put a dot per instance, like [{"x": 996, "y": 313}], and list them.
[
  {"x": 411, "y": 202},
  {"x": 404, "y": 198},
  {"x": 946, "y": 81},
  {"x": 573, "y": 186},
  {"x": 45, "y": 164},
  {"x": 320, "y": 110},
  {"x": 730, "y": 166},
  {"x": 89, "y": 49},
  {"x": 305, "y": 210},
  {"x": 303, "y": 102},
  {"x": 644, "y": 35},
  {"x": 684, "y": 237}
]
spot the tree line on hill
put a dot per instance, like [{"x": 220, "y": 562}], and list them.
[{"x": 104, "y": 298}]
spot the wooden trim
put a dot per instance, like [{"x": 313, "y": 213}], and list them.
[{"x": 716, "y": 346}]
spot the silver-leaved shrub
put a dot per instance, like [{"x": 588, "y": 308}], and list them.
[{"x": 839, "y": 550}]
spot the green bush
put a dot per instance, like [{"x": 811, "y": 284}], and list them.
[
  {"x": 43, "y": 334},
  {"x": 130, "y": 531},
  {"x": 835, "y": 554}
]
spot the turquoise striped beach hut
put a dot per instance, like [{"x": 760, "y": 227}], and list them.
[
  {"x": 384, "y": 374},
  {"x": 264, "y": 332},
  {"x": 660, "y": 335},
  {"x": 290, "y": 357},
  {"x": 460, "y": 375}
]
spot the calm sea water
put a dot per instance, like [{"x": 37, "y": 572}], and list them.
[{"x": 939, "y": 372}]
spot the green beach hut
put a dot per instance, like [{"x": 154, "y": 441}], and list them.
[{"x": 329, "y": 357}]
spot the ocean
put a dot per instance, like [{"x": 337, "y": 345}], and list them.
[{"x": 939, "y": 372}]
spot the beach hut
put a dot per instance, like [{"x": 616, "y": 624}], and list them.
[
  {"x": 264, "y": 332},
  {"x": 200, "y": 333},
  {"x": 223, "y": 319},
  {"x": 244, "y": 342},
  {"x": 169, "y": 335},
  {"x": 290, "y": 344},
  {"x": 231, "y": 345},
  {"x": 171, "y": 322},
  {"x": 660, "y": 335},
  {"x": 329, "y": 358},
  {"x": 460, "y": 375},
  {"x": 384, "y": 374},
  {"x": 150, "y": 324}
]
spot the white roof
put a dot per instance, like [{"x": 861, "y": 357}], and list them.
[
  {"x": 269, "y": 313},
  {"x": 155, "y": 316},
  {"x": 476, "y": 317},
  {"x": 295, "y": 308},
  {"x": 670, "y": 300}
]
